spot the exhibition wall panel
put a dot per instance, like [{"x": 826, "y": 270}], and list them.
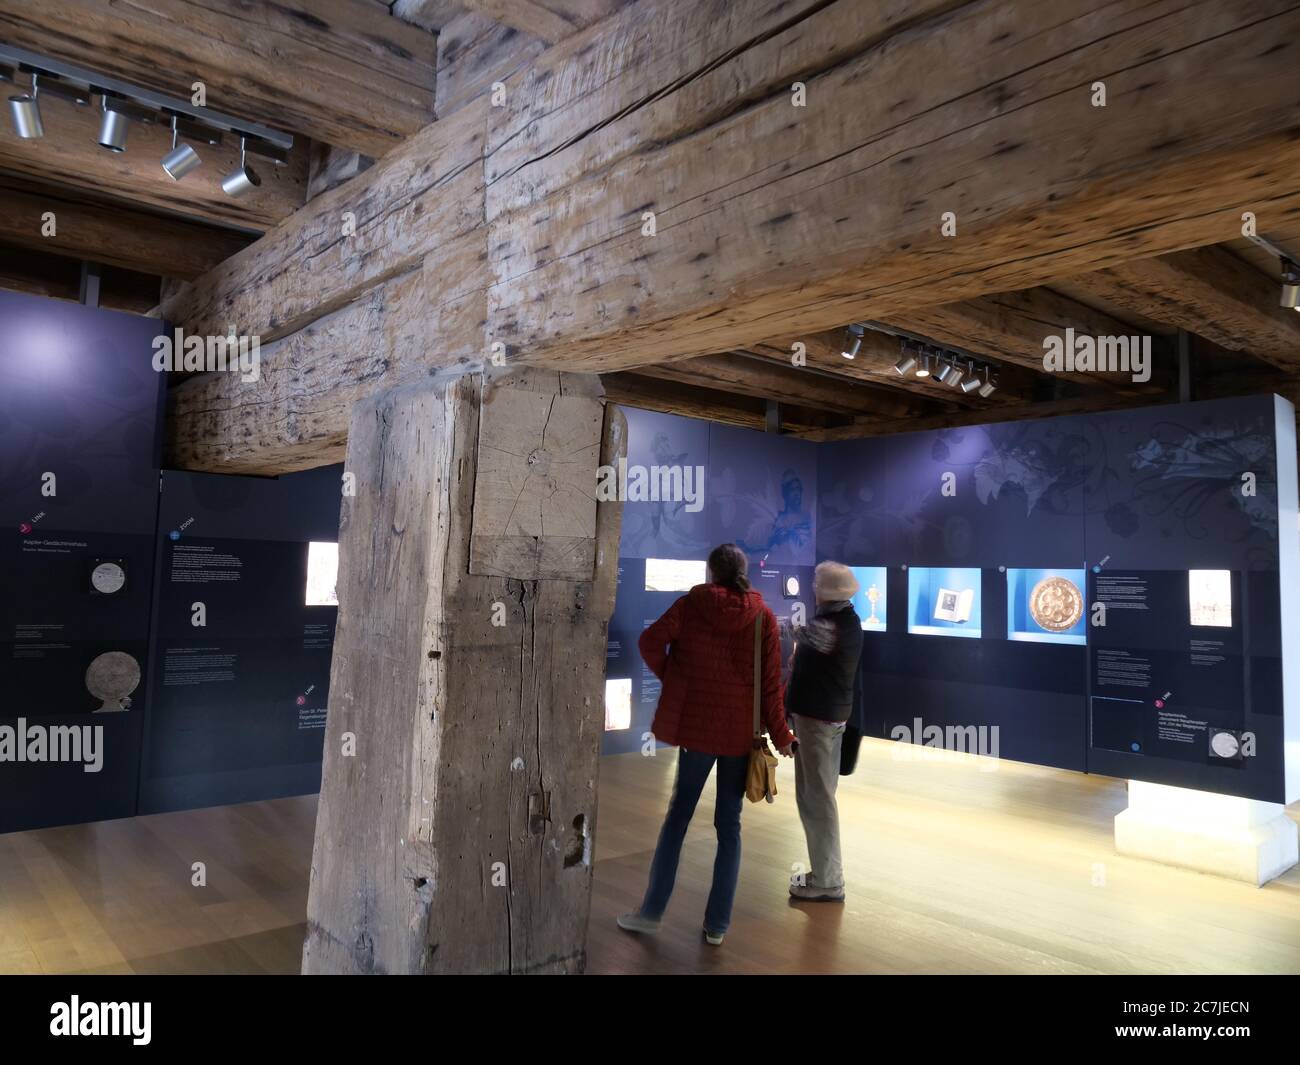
[
  {"x": 755, "y": 489},
  {"x": 80, "y": 412},
  {"x": 243, "y": 633},
  {"x": 1171, "y": 515}
]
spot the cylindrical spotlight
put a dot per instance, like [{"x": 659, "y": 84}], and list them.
[
  {"x": 924, "y": 369},
  {"x": 855, "y": 334},
  {"x": 25, "y": 110},
  {"x": 946, "y": 373},
  {"x": 989, "y": 386},
  {"x": 971, "y": 381},
  {"x": 113, "y": 128},
  {"x": 906, "y": 362},
  {"x": 1290, "y": 285},
  {"x": 181, "y": 159},
  {"x": 238, "y": 182}
]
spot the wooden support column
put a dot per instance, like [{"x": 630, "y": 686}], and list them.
[{"x": 457, "y": 837}]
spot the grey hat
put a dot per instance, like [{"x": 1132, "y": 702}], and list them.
[{"x": 834, "y": 581}]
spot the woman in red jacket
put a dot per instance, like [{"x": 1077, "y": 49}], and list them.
[{"x": 703, "y": 651}]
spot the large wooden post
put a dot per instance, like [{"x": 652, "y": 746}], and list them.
[{"x": 476, "y": 580}]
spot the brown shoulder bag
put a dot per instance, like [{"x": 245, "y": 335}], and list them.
[{"x": 760, "y": 780}]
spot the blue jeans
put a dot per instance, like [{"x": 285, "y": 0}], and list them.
[{"x": 693, "y": 770}]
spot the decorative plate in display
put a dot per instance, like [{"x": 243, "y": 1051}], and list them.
[
  {"x": 107, "y": 578},
  {"x": 1056, "y": 604},
  {"x": 111, "y": 678},
  {"x": 1224, "y": 744}
]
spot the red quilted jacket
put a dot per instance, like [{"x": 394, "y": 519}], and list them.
[{"x": 703, "y": 651}]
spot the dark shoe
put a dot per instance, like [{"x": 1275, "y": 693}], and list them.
[{"x": 816, "y": 893}]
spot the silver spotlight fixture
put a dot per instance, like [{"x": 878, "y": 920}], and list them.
[
  {"x": 947, "y": 373},
  {"x": 855, "y": 333},
  {"x": 906, "y": 362},
  {"x": 924, "y": 369},
  {"x": 238, "y": 182},
  {"x": 990, "y": 384},
  {"x": 971, "y": 380},
  {"x": 181, "y": 159},
  {"x": 1290, "y": 285},
  {"x": 113, "y": 127},
  {"x": 25, "y": 110}
]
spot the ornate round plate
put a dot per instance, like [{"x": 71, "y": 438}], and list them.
[
  {"x": 1056, "y": 604},
  {"x": 111, "y": 678}
]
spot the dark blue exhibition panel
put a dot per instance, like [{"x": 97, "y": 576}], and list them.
[
  {"x": 79, "y": 421},
  {"x": 758, "y": 491},
  {"x": 1168, "y": 517},
  {"x": 237, "y": 708}
]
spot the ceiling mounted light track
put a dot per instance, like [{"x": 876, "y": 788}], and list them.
[{"x": 121, "y": 103}]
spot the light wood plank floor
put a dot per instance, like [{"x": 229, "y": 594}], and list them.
[{"x": 950, "y": 870}]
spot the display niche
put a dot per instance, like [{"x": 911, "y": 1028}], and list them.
[
  {"x": 944, "y": 602},
  {"x": 871, "y": 602},
  {"x": 1047, "y": 606}
]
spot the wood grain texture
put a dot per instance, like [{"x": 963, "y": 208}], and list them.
[
  {"x": 456, "y": 783},
  {"x": 550, "y": 20},
  {"x": 711, "y": 404},
  {"x": 950, "y": 871},
  {"x": 344, "y": 72},
  {"x": 815, "y": 220},
  {"x": 474, "y": 53},
  {"x": 111, "y": 233},
  {"x": 534, "y": 491}
]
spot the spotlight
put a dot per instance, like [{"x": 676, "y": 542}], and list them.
[
  {"x": 1290, "y": 285},
  {"x": 924, "y": 369},
  {"x": 113, "y": 128},
  {"x": 855, "y": 333},
  {"x": 947, "y": 373},
  {"x": 989, "y": 386},
  {"x": 238, "y": 182},
  {"x": 25, "y": 110},
  {"x": 971, "y": 381},
  {"x": 906, "y": 362},
  {"x": 181, "y": 159}
]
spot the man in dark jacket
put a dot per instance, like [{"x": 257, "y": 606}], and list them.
[{"x": 819, "y": 700}]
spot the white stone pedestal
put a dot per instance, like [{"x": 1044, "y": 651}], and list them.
[{"x": 1239, "y": 838}]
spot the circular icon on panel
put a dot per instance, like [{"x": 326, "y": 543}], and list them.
[
  {"x": 1224, "y": 744},
  {"x": 1056, "y": 604},
  {"x": 111, "y": 678},
  {"x": 107, "y": 578}
]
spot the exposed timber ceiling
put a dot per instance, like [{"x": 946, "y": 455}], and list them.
[{"x": 777, "y": 228}]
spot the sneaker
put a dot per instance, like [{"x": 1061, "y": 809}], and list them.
[
  {"x": 713, "y": 939},
  {"x": 809, "y": 892},
  {"x": 639, "y": 923}
]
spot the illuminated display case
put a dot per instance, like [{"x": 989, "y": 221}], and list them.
[
  {"x": 1047, "y": 606},
  {"x": 944, "y": 602},
  {"x": 674, "y": 574},
  {"x": 871, "y": 602}
]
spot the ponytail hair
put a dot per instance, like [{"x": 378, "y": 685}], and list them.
[{"x": 728, "y": 567}]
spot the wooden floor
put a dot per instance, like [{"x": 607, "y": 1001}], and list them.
[{"x": 950, "y": 870}]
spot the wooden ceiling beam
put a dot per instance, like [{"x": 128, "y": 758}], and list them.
[
  {"x": 50, "y": 219},
  {"x": 345, "y": 72},
  {"x": 551, "y": 20},
  {"x": 691, "y": 401},
  {"x": 528, "y": 218},
  {"x": 1210, "y": 292},
  {"x": 1012, "y": 327},
  {"x": 42, "y": 273},
  {"x": 759, "y": 377}
]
